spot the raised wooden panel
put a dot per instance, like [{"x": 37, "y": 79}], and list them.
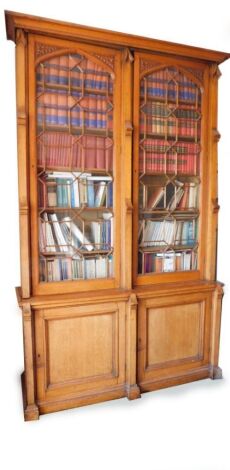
[
  {"x": 79, "y": 349},
  {"x": 175, "y": 333},
  {"x": 89, "y": 348},
  {"x": 173, "y": 338}
]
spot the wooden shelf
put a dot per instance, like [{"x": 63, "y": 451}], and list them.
[
  {"x": 158, "y": 99},
  {"x": 59, "y": 86},
  {"x": 174, "y": 138},
  {"x": 74, "y": 131},
  {"x": 175, "y": 212},
  {"x": 77, "y": 251},
  {"x": 97, "y": 171},
  {"x": 166, "y": 248},
  {"x": 78, "y": 210}
]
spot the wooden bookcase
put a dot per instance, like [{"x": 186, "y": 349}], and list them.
[{"x": 117, "y": 162}]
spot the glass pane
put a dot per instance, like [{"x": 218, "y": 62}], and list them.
[
  {"x": 75, "y": 169},
  {"x": 169, "y": 172}
]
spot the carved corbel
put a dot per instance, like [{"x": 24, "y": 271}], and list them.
[
  {"x": 26, "y": 311},
  {"x": 21, "y": 38},
  {"x": 128, "y": 128},
  {"x": 215, "y": 205},
  {"x": 24, "y": 210},
  {"x": 220, "y": 290},
  {"x": 129, "y": 206},
  {"x": 128, "y": 56},
  {"x": 215, "y": 71},
  {"x": 216, "y": 135}
]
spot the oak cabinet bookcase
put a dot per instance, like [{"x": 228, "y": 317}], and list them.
[{"x": 117, "y": 161}]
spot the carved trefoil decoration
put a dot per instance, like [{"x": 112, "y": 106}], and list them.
[
  {"x": 44, "y": 49},
  {"x": 106, "y": 59}
]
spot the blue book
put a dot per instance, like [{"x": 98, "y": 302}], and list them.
[
  {"x": 110, "y": 195},
  {"x": 190, "y": 239},
  {"x": 66, "y": 197},
  {"x": 90, "y": 193},
  {"x": 59, "y": 192},
  {"x": 73, "y": 203}
]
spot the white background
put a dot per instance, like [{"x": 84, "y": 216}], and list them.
[{"x": 182, "y": 428}]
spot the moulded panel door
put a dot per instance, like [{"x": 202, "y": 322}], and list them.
[
  {"x": 173, "y": 339},
  {"x": 79, "y": 350}
]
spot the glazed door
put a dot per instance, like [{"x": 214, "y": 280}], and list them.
[
  {"x": 170, "y": 103},
  {"x": 74, "y": 99}
]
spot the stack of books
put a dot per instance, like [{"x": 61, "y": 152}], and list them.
[
  {"x": 168, "y": 232},
  {"x": 72, "y": 189},
  {"x": 66, "y": 269},
  {"x": 58, "y": 234},
  {"x": 61, "y": 150},
  {"x": 170, "y": 86},
  {"x": 174, "y": 196},
  {"x": 169, "y": 261},
  {"x": 159, "y": 156}
]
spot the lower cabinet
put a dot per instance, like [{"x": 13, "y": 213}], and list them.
[{"x": 85, "y": 350}]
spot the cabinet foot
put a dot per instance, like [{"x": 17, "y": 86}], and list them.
[
  {"x": 31, "y": 412},
  {"x": 216, "y": 373},
  {"x": 132, "y": 392}
]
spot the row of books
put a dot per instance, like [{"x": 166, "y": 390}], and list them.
[
  {"x": 59, "y": 189},
  {"x": 177, "y": 196},
  {"x": 58, "y": 234},
  {"x": 158, "y": 118},
  {"x": 162, "y": 157},
  {"x": 167, "y": 262},
  {"x": 168, "y": 163},
  {"x": 64, "y": 150},
  {"x": 171, "y": 128},
  {"x": 170, "y": 86},
  {"x": 58, "y": 109},
  {"x": 167, "y": 232},
  {"x": 155, "y": 109},
  {"x": 61, "y": 269},
  {"x": 73, "y": 70}
]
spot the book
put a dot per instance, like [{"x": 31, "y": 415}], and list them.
[
  {"x": 155, "y": 196},
  {"x": 175, "y": 199},
  {"x": 79, "y": 234},
  {"x": 169, "y": 262},
  {"x": 83, "y": 190},
  {"x": 46, "y": 238},
  {"x": 62, "y": 242},
  {"x": 90, "y": 268},
  {"x": 90, "y": 193},
  {"x": 101, "y": 267},
  {"x": 100, "y": 194},
  {"x": 183, "y": 203},
  {"x": 52, "y": 194}
]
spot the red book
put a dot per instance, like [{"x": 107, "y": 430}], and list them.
[
  {"x": 100, "y": 144},
  {"x": 184, "y": 200}
]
